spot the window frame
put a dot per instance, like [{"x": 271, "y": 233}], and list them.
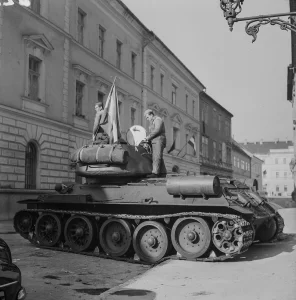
[
  {"x": 80, "y": 25},
  {"x": 79, "y": 108},
  {"x": 174, "y": 94},
  {"x": 133, "y": 64},
  {"x": 34, "y": 73},
  {"x": 101, "y": 43},
  {"x": 118, "y": 54}
]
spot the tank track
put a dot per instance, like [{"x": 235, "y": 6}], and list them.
[
  {"x": 247, "y": 237},
  {"x": 280, "y": 228}
]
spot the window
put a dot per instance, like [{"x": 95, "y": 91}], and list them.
[
  {"x": 174, "y": 94},
  {"x": 133, "y": 116},
  {"x": 161, "y": 84},
  {"x": 234, "y": 161},
  {"x": 204, "y": 147},
  {"x": 285, "y": 188},
  {"x": 219, "y": 152},
  {"x": 277, "y": 188},
  {"x": 79, "y": 98},
  {"x": 214, "y": 118},
  {"x": 228, "y": 155},
  {"x": 227, "y": 128},
  {"x": 219, "y": 122},
  {"x": 276, "y": 161},
  {"x": 284, "y": 160},
  {"x": 193, "y": 108},
  {"x": 277, "y": 174},
  {"x": 204, "y": 112},
  {"x": 285, "y": 174},
  {"x": 186, "y": 103},
  {"x": 134, "y": 58},
  {"x": 176, "y": 136},
  {"x": 101, "y": 41},
  {"x": 30, "y": 166},
  {"x": 118, "y": 54},
  {"x": 34, "y": 74},
  {"x": 242, "y": 165},
  {"x": 100, "y": 97},
  {"x": 152, "y": 77},
  {"x": 35, "y": 6},
  {"x": 80, "y": 25},
  {"x": 214, "y": 150}
]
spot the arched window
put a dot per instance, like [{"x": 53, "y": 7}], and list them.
[
  {"x": 176, "y": 169},
  {"x": 31, "y": 166}
]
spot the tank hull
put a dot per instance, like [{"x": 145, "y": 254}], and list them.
[{"x": 124, "y": 219}]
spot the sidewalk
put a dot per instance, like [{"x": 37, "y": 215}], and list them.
[{"x": 265, "y": 272}]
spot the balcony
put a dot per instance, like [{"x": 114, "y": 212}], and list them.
[{"x": 214, "y": 164}]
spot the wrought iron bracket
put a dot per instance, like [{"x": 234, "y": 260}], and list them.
[{"x": 232, "y": 8}]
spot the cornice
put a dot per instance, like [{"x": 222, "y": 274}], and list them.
[{"x": 42, "y": 120}]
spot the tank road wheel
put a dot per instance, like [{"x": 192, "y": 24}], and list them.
[
  {"x": 191, "y": 237},
  {"x": 266, "y": 231},
  {"x": 116, "y": 237},
  {"x": 24, "y": 222},
  {"x": 80, "y": 233},
  {"x": 151, "y": 241},
  {"x": 48, "y": 229},
  {"x": 228, "y": 236}
]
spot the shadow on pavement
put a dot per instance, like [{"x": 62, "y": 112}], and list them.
[
  {"x": 266, "y": 250},
  {"x": 131, "y": 294}
]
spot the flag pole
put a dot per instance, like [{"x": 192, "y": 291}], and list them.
[{"x": 182, "y": 148}]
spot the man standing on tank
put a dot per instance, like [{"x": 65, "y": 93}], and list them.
[
  {"x": 158, "y": 140},
  {"x": 99, "y": 129}
]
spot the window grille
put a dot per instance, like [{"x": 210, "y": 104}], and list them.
[{"x": 30, "y": 166}]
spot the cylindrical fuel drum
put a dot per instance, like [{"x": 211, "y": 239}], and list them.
[{"x": 193, "y": 185}]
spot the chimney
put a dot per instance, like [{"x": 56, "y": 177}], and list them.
[
  {"x": 246, "y": 141},
  {"x": 286, "y": 140},
  {"x": 261, "y": 141}
]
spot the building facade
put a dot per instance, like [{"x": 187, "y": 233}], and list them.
[
  {"x": 276, "y": 173},
  {"x": 241, "y": 161},
  {"x": 215, "y": 138},
  {"x": 57, "y": 59}
]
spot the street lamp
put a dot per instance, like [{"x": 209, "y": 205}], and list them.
[{"x": 232, "y": 8}]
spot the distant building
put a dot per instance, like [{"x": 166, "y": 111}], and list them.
[
  {"x": 215, "y": 138},
  {"x": 276, "y": 173},
  {"x": 241, "y": 162}
]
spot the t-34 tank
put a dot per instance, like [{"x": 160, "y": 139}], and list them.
[{"x": 119, "y": 212}]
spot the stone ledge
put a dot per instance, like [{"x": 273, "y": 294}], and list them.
[{"x": 34, "y": 106}]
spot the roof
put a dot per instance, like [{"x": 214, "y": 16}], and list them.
[
  {"x": 214, "y": 101},
  {"x": 265, "y": 147},
  {"x": 159, "y": 40},
  {"x": 238, "y": 148}
]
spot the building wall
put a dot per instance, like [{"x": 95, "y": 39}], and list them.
[
  {"x": 216, "y": 133},
  {"x": 241, "y": 163},
  {"x": 277, "y": 173},
  {"x": 50, "y": 122},
  {"x": 256, "y": 171}
]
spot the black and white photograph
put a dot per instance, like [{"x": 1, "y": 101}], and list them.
[{"x": 147, "y": 149}]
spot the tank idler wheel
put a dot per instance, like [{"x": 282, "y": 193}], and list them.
[
  {"x": 80, "y": 233},
  {"x": 116, "y": 237},
  {"x": 228, "y": 236},
  {"x": 266, "y": 231},
  {"x": 151, "y": 241},
  {"x": 24, "y": 222},
  {"x": 48, "y": 229},
  {"x": 191, "y": 237}
]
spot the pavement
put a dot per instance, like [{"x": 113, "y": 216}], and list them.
[{"x": 265, "y": 272}]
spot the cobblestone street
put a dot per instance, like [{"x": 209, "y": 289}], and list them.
[{"x": 51, "y": 275}]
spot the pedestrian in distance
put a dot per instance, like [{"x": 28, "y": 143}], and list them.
[{"x": 158, "y": 140}]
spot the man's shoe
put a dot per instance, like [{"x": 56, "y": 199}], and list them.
[{"x": 153, "y": 175}]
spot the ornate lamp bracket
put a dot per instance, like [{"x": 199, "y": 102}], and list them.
[{"x": 232, "y": 8}]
